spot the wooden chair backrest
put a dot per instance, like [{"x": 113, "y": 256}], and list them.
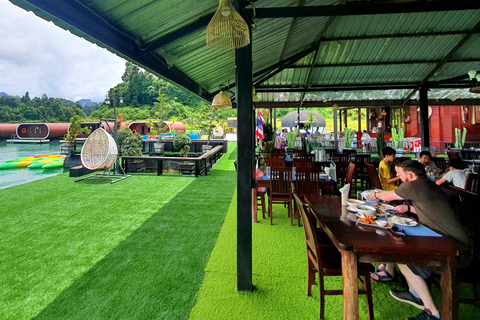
[
  {"x": 440, "y": 163},
  {"x": 275, "y": 162},
  {"x": 466, "y": 205},
  {"x": 298, "y": 153},
  {"x": 341, "y": 162},
  {"x": 473, "y": 183},
  {"x": 360, "y": 160},
  {"x": 275, "y": 155},
  {"x": 350, "y": 174},
  {"x": 373, "y": 175},
  {"x": 308, "y": 156},
  {"x": 307, "y": 181},
  {"x": 280, "y": 181},
  {"x": 308, "y": 226},
  {"x": 469, "y": 154},
  {"x": 452, "y": 155},
  {"x": 303, "y": 163}
]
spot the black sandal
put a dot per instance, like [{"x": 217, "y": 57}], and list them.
[{"x": 386, "y": 278}]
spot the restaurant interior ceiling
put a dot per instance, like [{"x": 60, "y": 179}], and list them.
[{"x": 306, "y": 53}]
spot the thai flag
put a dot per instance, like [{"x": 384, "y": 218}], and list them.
[
  {"x": 259, "y": 131},
  {"x": 261, "y": 118}
]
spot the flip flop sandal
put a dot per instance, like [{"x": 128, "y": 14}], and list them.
[
  {"x": 383, "y": 266},
  {"x": 380, "y": 278}
]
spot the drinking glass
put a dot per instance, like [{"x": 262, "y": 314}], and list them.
[
  {"x": 267, "y": 171},
  {"x": 359, "y": 195}
]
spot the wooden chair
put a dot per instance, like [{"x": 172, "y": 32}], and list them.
[
  {"x": 350, "y": 153},
  {"x": 277, "y": 153},
  {"x": 307, "y": 182},
  {"x": 274, "y": 162},
  {"x": 325, "y": 260},
  {"x": 361, "y": 174},
  {"x": 341, "y": 162},
  {"x": 440, "y": 163},
  {"x": 373, "y": 176},
  {"x": 261, "y": 192},
  {"x": 350, "y": 176},
  {"x": 452, "y": 155},
  {"x": 467, "y": 204},
  {"x": 473, "y": 183},
  {"x": 308, "y": 156},
  {"x": 469, "y": 155},
  {"x": 298, "y": 153},
  {"x": 303, "y": 163},
  {"x": 280, "y": 190}
]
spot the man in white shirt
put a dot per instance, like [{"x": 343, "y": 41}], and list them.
[{"x": 456, "y": 175}]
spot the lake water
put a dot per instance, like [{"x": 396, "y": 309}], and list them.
[{"x": 13, "y": 177}]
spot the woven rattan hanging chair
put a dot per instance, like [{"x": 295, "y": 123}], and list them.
[{"x": 99, "y": 152}]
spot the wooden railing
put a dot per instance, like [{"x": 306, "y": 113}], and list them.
[{"x": 197, "y": 165}]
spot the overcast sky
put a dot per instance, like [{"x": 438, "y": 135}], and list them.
[{"x": 39, "y": 57}]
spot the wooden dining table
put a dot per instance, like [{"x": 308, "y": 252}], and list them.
[
  {"x": 264, "y": 182},
  {"x": 359, "y": 243}
]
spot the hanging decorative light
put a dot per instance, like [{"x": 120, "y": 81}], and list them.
[
  {"x": 222, "y": 101},
  {"x": 227, "y": 30},
  {"x": 384, "y": 113}
]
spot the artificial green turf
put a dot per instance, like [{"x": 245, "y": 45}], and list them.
[
  {"x": 92, "y": 250},
  {"x": 279, "y": 277}
]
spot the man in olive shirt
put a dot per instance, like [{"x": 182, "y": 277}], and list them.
[{"x": 434, "y": 210}]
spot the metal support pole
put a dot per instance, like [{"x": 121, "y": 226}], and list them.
[
  {"x": 335, "y": 129},
  {"x": 245, "y": 157},
  {"x": 424, "y": 125}
]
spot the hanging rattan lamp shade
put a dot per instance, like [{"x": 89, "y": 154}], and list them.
[
  {"x": 221, "y": 101},
  {"x": 99, "y": 152},
  {"x": 227, "y": 30}
]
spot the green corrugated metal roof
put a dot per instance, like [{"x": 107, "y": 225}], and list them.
[{"x": 391, "y": 51}]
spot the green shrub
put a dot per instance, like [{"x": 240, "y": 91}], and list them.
[
  {"x": 181, "y": 141},
  {"x": 129, "y": 143}
]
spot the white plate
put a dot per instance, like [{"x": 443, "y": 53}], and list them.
[
  {"x": 388, "y": 226},
  {"x": 352, "y": 209},
  {"x": 359, "y": 215},
  {"x": 384, "y": 207},
  {"x": 407, "y": 222}
]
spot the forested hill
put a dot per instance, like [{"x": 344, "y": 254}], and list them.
[{"x": 44, "y": 109}]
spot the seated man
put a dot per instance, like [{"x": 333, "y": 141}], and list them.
[
  {"x": 389, "y": 181},
  {"x": 429, "y": 165},
  {"x": 456, "y": 175},
  {"x": 433, "y": 209}
]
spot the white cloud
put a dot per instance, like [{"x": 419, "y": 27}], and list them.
[{"x": 39, "y": 57}]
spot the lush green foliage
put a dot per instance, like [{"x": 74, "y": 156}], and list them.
[
  {"x": 75, "y": 129},
  {"x": 14, "y": 109},
  {"x": 130, "y": 143},
  {"x": 182, "y": 142}
]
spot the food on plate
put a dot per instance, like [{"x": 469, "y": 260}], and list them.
[
  {"x": 402, "y": 221},
  {"x": 367, "y": 220},
  {"x": 365, "y": 210},
  {"x": 352, "y": 203}
]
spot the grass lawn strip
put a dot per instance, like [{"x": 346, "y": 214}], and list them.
[{"x": 280, "y": 280}]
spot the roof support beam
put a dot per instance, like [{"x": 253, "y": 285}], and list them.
[
  {"x": 385, "y": 63},
  {"x": 363, "y": 103},
  {"x": 366, "y": 8},
  {"x": 177, "y": 34},
  {"x": 447, "y": 57},
  {"x": 246, "y": 156}
]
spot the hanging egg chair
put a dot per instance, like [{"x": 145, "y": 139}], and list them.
[{"x": 99, "y": 152}]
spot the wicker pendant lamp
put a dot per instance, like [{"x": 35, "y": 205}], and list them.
[
  {"x": 227, "y": 30},
  {"x": 221, "y": 101}
]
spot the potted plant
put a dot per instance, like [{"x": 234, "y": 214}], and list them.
[
  {"x": 74, "y": 131},
  {"x": 161, "y": 108},
  {"x": 181, "y": 141},
  {"x": 157, "y": 129},
  {"x": 349, "y": 134}
]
